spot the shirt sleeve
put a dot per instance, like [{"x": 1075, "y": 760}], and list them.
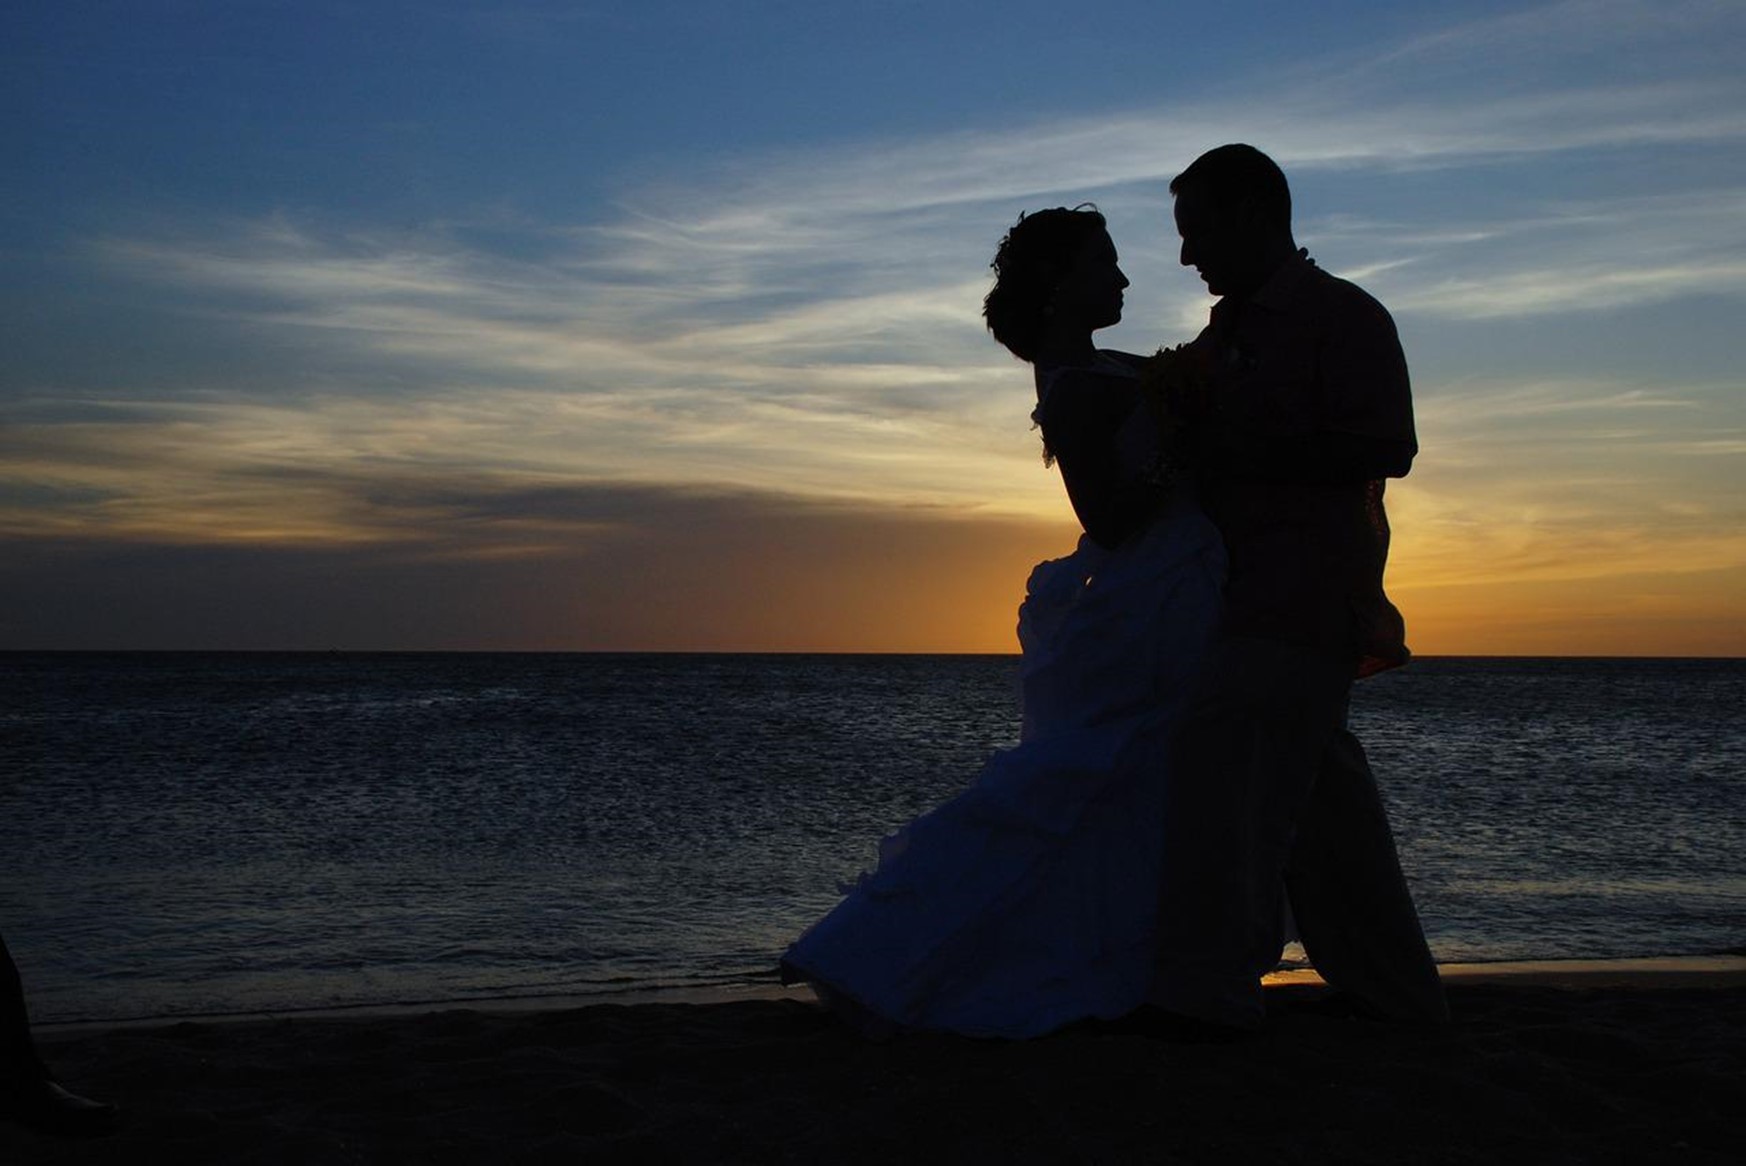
[{"x": 1365, "y": 390}]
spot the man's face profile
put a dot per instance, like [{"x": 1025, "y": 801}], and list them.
[{"x": 1212, "y": 241}]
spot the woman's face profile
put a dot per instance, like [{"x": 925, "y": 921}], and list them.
[{"x": 1089, "y": 295}]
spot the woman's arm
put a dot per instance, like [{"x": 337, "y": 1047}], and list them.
[{"x": 1132, "y": 359}]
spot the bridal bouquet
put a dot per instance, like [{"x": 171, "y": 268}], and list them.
[{"x": 1175, "y": 386}]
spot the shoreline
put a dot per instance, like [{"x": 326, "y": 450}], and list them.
[
  {"x": 1644, "y": 973},
  {"x": 1647, "y": 973}
]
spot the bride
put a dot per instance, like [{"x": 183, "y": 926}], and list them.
[{"x": 1027, "y": 902}]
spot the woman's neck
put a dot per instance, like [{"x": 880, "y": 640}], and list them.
[{"x": 1066, "y": 348}]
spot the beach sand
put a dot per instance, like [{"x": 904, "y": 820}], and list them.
[{"x": 1630, "y": 1062}]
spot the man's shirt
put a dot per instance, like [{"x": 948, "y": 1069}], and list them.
[{"x": 1310, "y": 408}]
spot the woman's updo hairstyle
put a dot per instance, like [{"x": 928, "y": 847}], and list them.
[{"x": 1038, "y": 251}]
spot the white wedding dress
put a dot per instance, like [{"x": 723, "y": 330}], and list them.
[{"x": 1027, "y": 902}]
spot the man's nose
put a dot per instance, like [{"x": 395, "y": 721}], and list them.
[{"x": 1185, "y": 256}]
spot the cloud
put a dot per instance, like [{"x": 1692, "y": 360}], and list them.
[
  {"x": 493, "y": 566},
  {"x": 1571, "y": 480},
  {"x": 1684, "y": 31},
  {"x": 1570, "y": 255}
]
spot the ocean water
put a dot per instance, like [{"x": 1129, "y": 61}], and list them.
[{"x": 193, "y": 834}]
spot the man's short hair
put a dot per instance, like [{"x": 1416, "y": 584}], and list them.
[{"x": 1229, "y": 174}]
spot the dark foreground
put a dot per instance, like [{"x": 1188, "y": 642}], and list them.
[{"x": 1528, "y": 1074}]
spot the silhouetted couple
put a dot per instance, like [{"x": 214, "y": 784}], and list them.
[{"x": 1184, "y": 771}]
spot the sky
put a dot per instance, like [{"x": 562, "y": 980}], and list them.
[{"x": 656, "y": 326}]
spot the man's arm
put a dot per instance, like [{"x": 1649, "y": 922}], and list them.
[{"x": 1324, "y": 457}]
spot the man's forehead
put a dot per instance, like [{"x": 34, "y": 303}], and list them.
[{"x": 1193, "y": 208}]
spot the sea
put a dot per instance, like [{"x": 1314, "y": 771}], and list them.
[{"x": 208, "y": 834}]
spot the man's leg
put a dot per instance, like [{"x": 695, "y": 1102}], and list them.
[
  {"x": 1244, "y": 760},
  {"x": 1353, "y": 910}
]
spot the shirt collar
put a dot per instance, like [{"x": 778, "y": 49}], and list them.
[{"x": 1280, "y": 291}]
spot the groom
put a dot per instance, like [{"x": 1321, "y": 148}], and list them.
[{"x": 1270, "y": 798}]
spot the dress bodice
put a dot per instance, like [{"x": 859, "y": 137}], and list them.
[{"x": 1099, "y": 433}]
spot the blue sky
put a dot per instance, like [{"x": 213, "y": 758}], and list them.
[{"x": 656, "y": 325}]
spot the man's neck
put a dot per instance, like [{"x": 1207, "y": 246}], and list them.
[{"x": 1268, "y": 261}]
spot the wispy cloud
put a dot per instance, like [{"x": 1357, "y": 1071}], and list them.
[
  {"x": 1570, "y": 480},
  {"x": 1566, "y": 254},
  {"x": 485, "y": 563}
]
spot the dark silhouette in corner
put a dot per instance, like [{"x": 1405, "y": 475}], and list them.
[{"x": 29, "y": 1093}]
